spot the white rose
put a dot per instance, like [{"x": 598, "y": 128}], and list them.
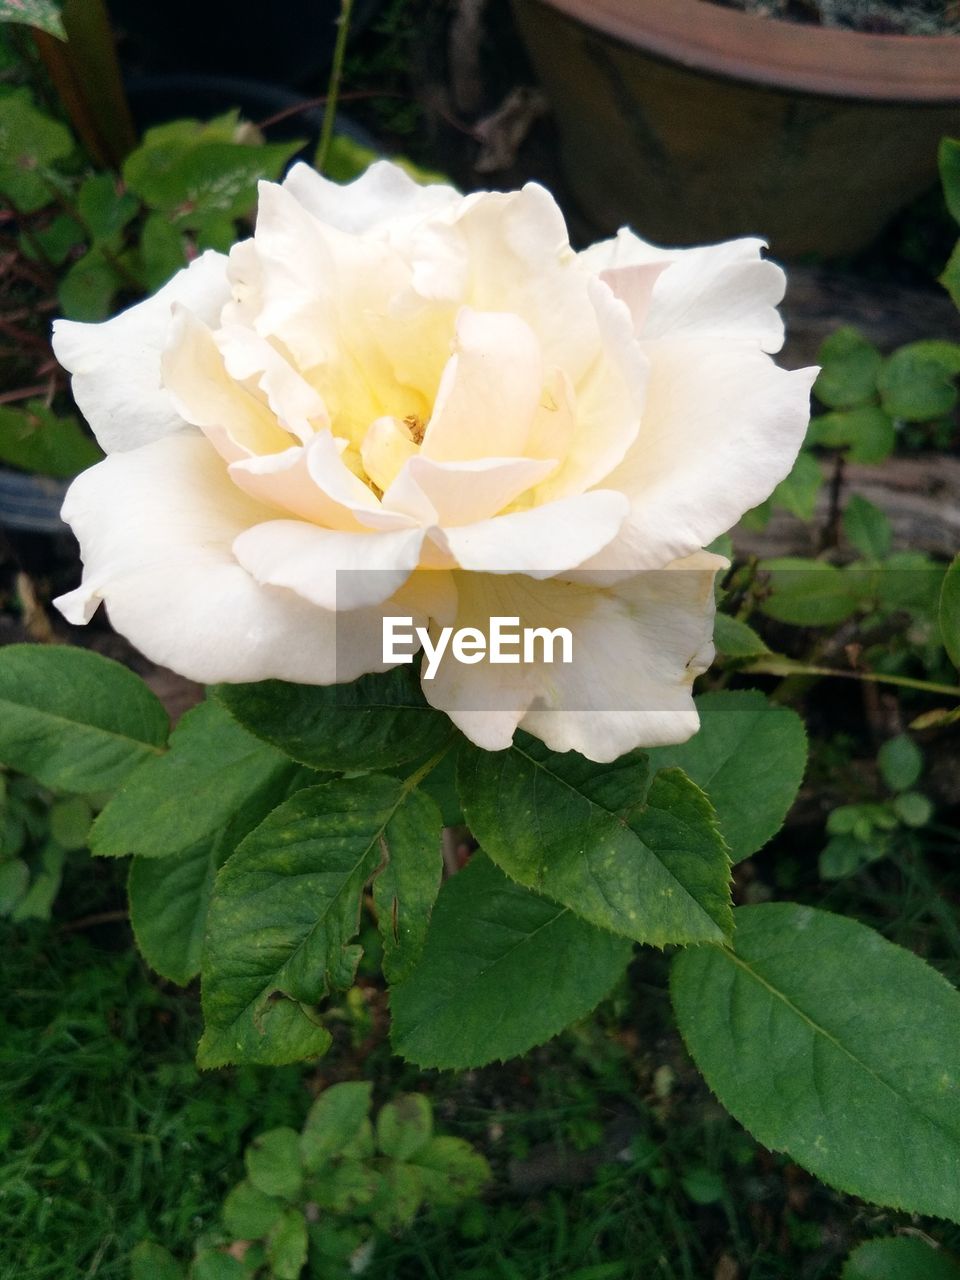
[{"x": 437, "y": 392}]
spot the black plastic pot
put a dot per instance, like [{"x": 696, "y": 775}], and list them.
[{"x": 284, "y": 42}]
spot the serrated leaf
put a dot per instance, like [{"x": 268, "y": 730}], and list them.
[
  {"x": 642, "y": 859},
  {"x": 42, "y": 14},
  {"x": 334, "y": 1121},
  {"x": 735, "y": 639},
  {"x": 900, "y": 761},
  {"x": 849, "y": 368},
  {"x": 162, "y": 252},
  {"x": 900, "y": 1258},
  {"x": 346, "y": 1186},
  {"x": 376, "y": 722},
  {"x": 949, "y": 612},
  {"x": 917, "y": 382},
  {"x": 745, "y": 746},
  {"x": 867, "y": 433},
  {"x": 287, "y": 1246},
  {"x": 249, "y": 1213},
  {"x": 74, "y": 720},
  {"x": 503, "y": 969},
  {"x": 149, "y": 1261},
  {"x": 295, "y": 883},
  {"x": 34, "y": 438},
  {"x": 407, "y": 885},
  {"x": 30, "y": 142},
  {"x": 212, "y": 769},
  {"x": 405, "y": 1126},
  {"x": 867, "y": 528},
  {"x": 824, "y": 1039},
  {"x": 194, "y": 178},
  {"x": 451, "y": 1170},
  {"x": 273, "y": 1163},
  {"x": 809, "y": 592}
]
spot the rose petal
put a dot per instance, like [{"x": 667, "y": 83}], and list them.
[
  {"x": 156, "y": 527},
  {"x": 541, "y": 541},
  {"x": 721, "y": 429},
  {"x": 459, "y": 493},
  {"x": 331, "y": 569},
  {"x": 116, "y": 365},
  {"x": 382, "y": 194},
  {"x": 637, "y": 648}
]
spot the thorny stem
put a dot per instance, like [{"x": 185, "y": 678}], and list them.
[{"x": 333, "y": 88}]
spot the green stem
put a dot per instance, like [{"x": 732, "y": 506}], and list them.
[
  {"x": 786, "y": 667},
  {"x": 418, "y": 775},
  {"x": 333, "y": 88}
]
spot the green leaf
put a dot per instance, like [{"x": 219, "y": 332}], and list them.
[
  {"x": 917, "y": 381},
  {"x": 407, "y": 886},
  {"x": 808, "y": 593},
  {"x": 900, "y": 1258},
  {"x": 273, "y": 1163},
  {"x": 824, "y": 1039},
  {"x": 867, "y": 432},
  {"x": 295, "y": 883},
  {"x": 949, "y": 159},
  {"x": 161, "y": 251},
  {"x": 346, "y": 1186},
  {"x": 950, "y": 276},
  {"x": 149, "y": 1261},
  {"x": 192, "y": 180},
  {"x": 849, "y": 368},
  {"x": 214, "y": 1264},
  {"x": 212, "y": 769},
  {"x": 402, "y": 1196},
  {"x": 451, "y": 1170},
  {"x": 334, "y": 1121},
  {"x": 900, "y": 762},
  {"x": 34, "y": 438},
  {"x": 42, "y": 14},
  {"x": 376, "y": 722},
  {"x": 798, "y": 491},
  {"x": 30, "y": 142},
  {"x": 249, "y": 1213},
  {"x": 104, "y": 209},
  {"x": 642, "y": 859},
  {"x": 734, "y": 639},
  {"x": 949, "y": 612},
  {"x": 503, "y": 970},
  {"x": 169, "y": 901},
  {"x": 73, "y": 720},
  {"x": 70, "y": 822},
  {"x": 405, "y": 1126},
  {"x": 287, "y": 1246},
  {"x": 86, "y": 291},
  {"x": 56, "y": 240},
  {"x": 37, "y": 902},
  {"x": 867, "y": 528},
  {"x": 913, "y": 809},
  {"x": 14, "y": 882},
  {"x": 746, "y": 747}
]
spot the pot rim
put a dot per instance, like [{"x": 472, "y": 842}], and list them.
[{"x": 785, "y": 55}]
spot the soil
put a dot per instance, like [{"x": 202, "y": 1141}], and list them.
[{"x": 878, "y": 17}]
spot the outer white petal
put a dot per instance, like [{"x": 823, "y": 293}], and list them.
[
  {"x": 637, "y": 648},
  {"x": 116, "y": 365},
  {"x": 726, "y": 291},
  {"x": 331, "y": 569},
  {"x": 380, "y": 195},
  {"x": 541, "y": 541},
  {"x": 156, "y": 527},
  {"x": 722, "y": 427}
]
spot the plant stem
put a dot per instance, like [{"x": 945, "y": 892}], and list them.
[
  {"x": 333, "y": 88},
  {"x": 788, "y": 667}
]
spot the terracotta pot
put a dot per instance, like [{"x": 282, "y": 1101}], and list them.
[{"x": 693, "y": 122}]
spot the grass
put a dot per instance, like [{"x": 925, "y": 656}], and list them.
[{"x": 109, "y": 1135}]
